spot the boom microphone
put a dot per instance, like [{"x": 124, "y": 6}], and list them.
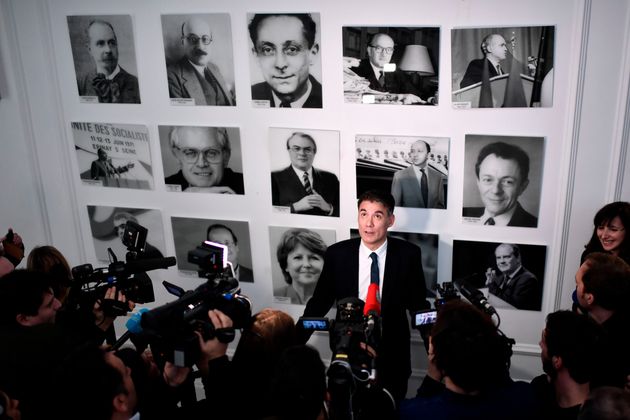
[{"x": 477, "y": 298}]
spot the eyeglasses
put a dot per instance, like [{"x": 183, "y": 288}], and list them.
[
  {"x": 209, "y": 155},
  {"x": 194, "y": 39},
  {"x": 298, "y": 149},
  {"x": 379, "y": 50}
]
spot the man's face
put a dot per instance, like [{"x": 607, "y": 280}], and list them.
[
  {"x": 496, "y": 47},
  {"x": 301, "y": 152},
  {"x": 46, "y": 313},
  {"x": 195, "y": 33},
  {"x": 103, "y": 47},
  {"x": 500, "y": 184},
  {"x": 223, "y": 236},
  {"x": 283, "y": 55},
  {"x": 374, "y": 220},
  {"x": 102, "y": 155},
  {"x": 380, "y": 50},
  {"x": 547, "y": 363},
  {"x": 418, "y": 153},
  {"x": 584, "y": 298},
  {"x": 130, "y": 389},
  {"x": 507, "y": 262},
  {"x": 201, "y": 157}
]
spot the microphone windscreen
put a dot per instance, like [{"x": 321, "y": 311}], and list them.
[
  {"x": 133, "y": 323},
  {"x": 372, "y": 302}
]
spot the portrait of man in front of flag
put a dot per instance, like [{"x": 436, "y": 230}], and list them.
[{"x": 503, "y": 67}]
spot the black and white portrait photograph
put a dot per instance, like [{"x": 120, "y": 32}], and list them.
[
  {"x": 391, "y": 65},
  {"x": 285, "y": 64},
  {"x": 113, "y": 155},
  {"x": 502, "y": 180},
  {"x": 199, "y": 59},
  {"x": 413, "y": 168},
  {"x": 189, "y": 233},
  {"x": 108, "y": 226},
  {"x": 104, "y": 58},
  {"x": 510, "y": 275},
  {"x": 202, "y": 159},
  {"x": 297, "y": 259},
  {"x": 304, "y": 171},
  {"x": 428, "y": 243},
  {"x": 504, "y": 67}
]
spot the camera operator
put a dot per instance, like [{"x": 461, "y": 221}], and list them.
[{"x": 471, "y": 357}]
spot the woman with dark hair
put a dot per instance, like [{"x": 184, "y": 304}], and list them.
[
  {"x": 48, "y": 259},
  {"x": 301, "y": 257},
  {"x": 609, "y": 234}
]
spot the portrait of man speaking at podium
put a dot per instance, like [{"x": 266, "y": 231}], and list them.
[
  {"x": 502, "y": 67},
  {"x": 391, "y": 65},
  {"x": 509, "y": 275}
]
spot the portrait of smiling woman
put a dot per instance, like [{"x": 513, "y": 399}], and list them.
[
  {"x": 300, "y": 255},
  {"x": 609, "y": 232}
]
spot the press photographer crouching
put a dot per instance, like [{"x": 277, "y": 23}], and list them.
[{"x": 468, "y": 374}]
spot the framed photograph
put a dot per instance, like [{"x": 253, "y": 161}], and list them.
[
  {"x": 503, "y": 67},
  {"x": 293, "y": 38},
  {"x": 113, "y": 155},
  {"x": 104, "y": 58},
  {"x": 202, "y": 159},
  {"x": 189, "y": 233},
  {"x": 108, "y": 225},
  {"x": 502, "y": 180},
  {"x": 391, "y": 65},
  {"x": 510, "y": 275},
  {"x": 413, "y": 168},
  {"x": 297, "y": 259},
  {"x": 199, "y": 60},
  {"x": 305, "y": 169}
]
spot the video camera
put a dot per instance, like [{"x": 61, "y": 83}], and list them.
[
  {"x": 129, "y": 277},
  {"x": 170, "y": 329}
]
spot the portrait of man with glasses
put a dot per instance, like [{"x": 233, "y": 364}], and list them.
[
  {"x": 194, "y": 76},
  {"x": 202, "y": 155},
  {"x": 286, "y": 54},
  {"x": 300, "y": 187}
]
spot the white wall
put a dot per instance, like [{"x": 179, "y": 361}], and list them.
[{"x": 584, "y": 132}]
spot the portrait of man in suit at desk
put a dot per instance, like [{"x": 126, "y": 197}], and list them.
[
  {"x": 502, "y": 67},
  {"x": 510, "y": 275},
  {"x": 503, "y": 173}
]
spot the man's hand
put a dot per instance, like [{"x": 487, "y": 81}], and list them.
[
  {"x": 100, "y": 319},
  {"x": 174, "y": 375},
  {"x": 310, "y": 202},
  {"x": 220, "y": 189},
  {"x": 410, "y": 98},
  {"x": 491, "y": 277},
  {"x": 213, "y": 349}
]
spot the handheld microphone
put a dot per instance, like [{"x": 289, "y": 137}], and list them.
[
  {"x": 133, "y": 327},
  {"x": 372, "y": 301}
]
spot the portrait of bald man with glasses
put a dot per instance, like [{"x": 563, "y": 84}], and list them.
[
  {"x": 301, "y": 188},
  {"x": 193, "y": 72},
  {"x": 202, "y": 154}
]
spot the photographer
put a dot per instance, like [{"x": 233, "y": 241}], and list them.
[{"x": 470, "y": 356}]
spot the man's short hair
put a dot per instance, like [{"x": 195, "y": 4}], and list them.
[
  {"x": 221, "y": 226},
  {"x": 22, "y": 292},
  {"x": 378, "y": 196},
  {"x": 222, "y": 138},
  {"x": 607, "y": 278},
  {"x": 468, "y": 347},
  {"x": 485, "y": 42},
  {"x": 303, "y": 135},
  {"x": 309, "y": 28},
  {"x": 574, "y": 338},
  {"x": 507, "y": 152},
  {"x": 515, "y": 249},
  {"x": 428, "y": 146},
  {"x": 102, "y": 22},
  {"x": 88, "y": 383},
  {"x": 606, "y": 403},
  {"x": 291, "y": 239}
]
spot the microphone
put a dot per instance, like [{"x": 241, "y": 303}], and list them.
[
  {"x": 477, "y": 298},
  {"x": 372, "y": 301},
  {"x": 133, "y": 327}
]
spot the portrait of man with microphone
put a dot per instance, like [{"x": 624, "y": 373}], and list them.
[{"x": 387, "y": 274}]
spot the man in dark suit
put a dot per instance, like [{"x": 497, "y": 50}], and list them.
[
  {"x": 109, "y": 82},
  {"x": 515, "y": 284},
  {"x": 347, "y": 272},
  {"x": 285, "y": 47},
  {"x": 102, "y": 167},
  {"x": 194, "y": 76},
  {"x": 419, "y": 185},
  {"x": 502, "y": 172},
  {"x": 494, "y": 50},
  {"x": 301, "y": 187},
  {"x": 373, "y": 68},
  {"x": 222, "y": 234}
]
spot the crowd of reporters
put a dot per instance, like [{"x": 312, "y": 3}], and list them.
[{"x": 52, "y": 358}]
